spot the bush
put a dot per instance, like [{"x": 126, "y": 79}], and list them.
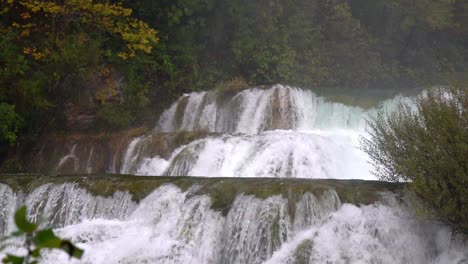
[{"x": 427, "y": 145}]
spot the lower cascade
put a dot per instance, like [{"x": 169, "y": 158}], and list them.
[{"x": 182, "y": 225}]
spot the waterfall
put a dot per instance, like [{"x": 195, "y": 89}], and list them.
[
  {"x": 69, "y": 157},
  {"x": 8, "y": 204},
  {"x": 175, "y": 226},
  {"x": 251, "y": 111},
  {"x": 281, "y": 131},
  {"x": 276, "y": 131},
  {"x": 66, "y": 204},
  {"x": 256, "y": 110},
  {"x": 271, "y": 154},
  {"x": 53, "y": 205}
]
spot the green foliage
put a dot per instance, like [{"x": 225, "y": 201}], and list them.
[
  {"x": 22, "y": 222},
  {"x": 356, "y": 43},
  {"x": 428, "y": 146},
  {"x": 37, "y": 240},
  {"x": 50, "y": 56},
  {"x": 10, "y": 123}
]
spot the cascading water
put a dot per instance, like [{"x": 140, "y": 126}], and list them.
[
  {"x": 61, "y": 205},
  {"x": 8, "y": 204},
  {"x": 269, "y": 154},
  {"x": 279, "y": 132},
  {"x": 175, "y": 226},
  {"x": 256, "y": 110},
  {"x": 276, "y": 132}
]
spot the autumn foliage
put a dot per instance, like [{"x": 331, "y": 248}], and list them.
[
  {"x": 51, "y": 20},
  {"x": 51, "y": 50}
]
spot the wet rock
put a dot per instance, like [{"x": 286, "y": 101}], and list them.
[
  {"x": 101, "y": 153},
  {"x": 80, "y": 118}
]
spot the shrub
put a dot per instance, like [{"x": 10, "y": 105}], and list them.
[
  {"x": 427, "y": 145},
  {"x": 235, "y": 85}
]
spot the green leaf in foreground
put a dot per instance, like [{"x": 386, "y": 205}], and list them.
[
  {"x": 47, "y": 239},
  {"x": 36, "y": 241},
  {"x": 71, "y": 249},
  {"x": 22, "y": 222},
  {"x": 13, "y": 259}
]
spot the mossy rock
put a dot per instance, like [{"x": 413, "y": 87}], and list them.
[
  {"x": 233, "y": 86},
  {"x": 223, "y": 191}
]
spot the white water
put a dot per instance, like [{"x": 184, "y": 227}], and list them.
[
  {"x": 256, "y": 110},
  {"x": 70, "y": 156},
  {"x": 171, "y": 226},
  {"x": 277, "y": 132},
  {"x": 281, "y": 131},
  {"x": 313, "y": 154},
  {"x": 8, "y": 204}
]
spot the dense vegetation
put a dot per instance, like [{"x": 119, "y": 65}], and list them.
[
  {"x": 427, "y": 144},
  {"x": 102, "y": 63}
]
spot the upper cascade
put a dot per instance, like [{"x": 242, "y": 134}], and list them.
[
  {"x": 277, "y": 131},
  {"x": 256, "y": 110}
]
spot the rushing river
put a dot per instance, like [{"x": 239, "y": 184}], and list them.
[{"x": 280, "y": 132}]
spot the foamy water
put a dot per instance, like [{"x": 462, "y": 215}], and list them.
[
  {"x": 277, "y": 132},
  {"x": 172, "y": 226}
]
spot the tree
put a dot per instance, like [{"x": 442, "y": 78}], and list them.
[
  {"x": 51, "y": 53},
  {"x": 52, "y": 19},
  {"x": 36, "y": 240},
  {"x": 427, "y": 145}
]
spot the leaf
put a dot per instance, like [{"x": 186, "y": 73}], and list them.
[
  {"x": 13, "y": 259},
  {"x": 71, "y": 249},
  {"x": 47, "y": 239},
  {"x": 36, "y": 253},
  {"x": 22, "y": 222}
]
